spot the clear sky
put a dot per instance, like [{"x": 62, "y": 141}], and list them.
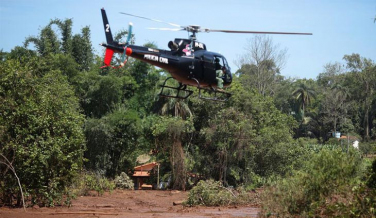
[{"x": 339, "y": 27}]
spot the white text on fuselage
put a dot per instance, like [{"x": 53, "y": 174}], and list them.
[
  {"x": 156, "y": 58},
  {"x": 199, "y": 45}
]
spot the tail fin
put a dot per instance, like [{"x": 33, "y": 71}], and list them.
[
  {"x": 107, "y": 28},
  {"x": 113, "y": 46}
]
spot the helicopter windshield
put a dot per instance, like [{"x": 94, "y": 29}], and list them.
[{"x": 222, "y": 62}]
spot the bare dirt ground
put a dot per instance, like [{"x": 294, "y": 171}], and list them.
[{"x": 130, "y": 203}]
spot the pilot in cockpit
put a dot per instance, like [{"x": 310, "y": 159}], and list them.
[{"x": 218, "y": 73}]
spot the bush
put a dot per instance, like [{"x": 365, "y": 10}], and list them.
[
  {"x": 360, "y": 200},
  {"x": 333, "y": 141},
  {"x": 213, "y": 193},
  {"x": 324, "y": 178},
  {"x": 371, "y": 180},
  {"x": 367, "y": 147},
  {"x": 40, "y": 133},
  {"x": 123, "y": 181},
  {"x": 90, "y": 181}
]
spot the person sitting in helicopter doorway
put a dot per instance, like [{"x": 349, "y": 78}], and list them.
[{"x": 219, "y": 73}]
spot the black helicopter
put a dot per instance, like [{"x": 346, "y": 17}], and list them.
[{"x": 187, "y": 61}]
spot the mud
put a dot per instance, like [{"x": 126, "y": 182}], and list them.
[{"x": 129, "y": 203}]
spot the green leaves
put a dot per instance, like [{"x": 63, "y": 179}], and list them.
[
  {"x": 41, "y": 130},
  {"x": 213, "y": 193},
  {"x": 113, "y": 141},
  {"x": 318, "y": 188}
]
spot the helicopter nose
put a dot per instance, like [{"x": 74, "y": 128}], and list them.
[{"x": 128, "y": 51}]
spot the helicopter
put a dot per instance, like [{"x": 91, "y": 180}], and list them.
[{"x": 188, "y": 61}]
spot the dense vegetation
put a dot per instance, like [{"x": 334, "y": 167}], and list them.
[{"x": 61, "y": 115}]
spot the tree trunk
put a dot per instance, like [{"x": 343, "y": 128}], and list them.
[{"x": 178, "y": 165}]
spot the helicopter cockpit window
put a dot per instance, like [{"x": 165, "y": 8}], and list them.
[
  {"x": 225, "y": 62},
  {"x": 221, "y": 64},
  {"x": 220, "y": 61}
]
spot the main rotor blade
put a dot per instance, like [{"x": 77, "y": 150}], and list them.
[
  {"x": 169, "y": 29},
  {"x": 195, "y": 29},
  {"x": 254, "y": 32},
  {"x": 146, "y": 18}
]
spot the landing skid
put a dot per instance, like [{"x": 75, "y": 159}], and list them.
[
  {"x": 182, "y": 91},
  {"x": 214, "y": 94}
]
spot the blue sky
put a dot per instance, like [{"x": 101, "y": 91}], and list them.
[{"x": 339, "y": 27}]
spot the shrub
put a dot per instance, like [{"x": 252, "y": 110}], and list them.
[
  {"x": 90, "y": 181},
  {"x": 333, "y": 141},
  {"x": 361, "y": 202},
  {"x": 367, "y": 147},
  {"x": 213, "y": 193},
  {"x": 327, "y": 174},
  {"x": 40, "y": 133},
  {"x": 371, "y": 180},
  {"x": 123, "y": 181}
]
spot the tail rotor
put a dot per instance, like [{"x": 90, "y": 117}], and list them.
[{"x": 114, "y": 46}]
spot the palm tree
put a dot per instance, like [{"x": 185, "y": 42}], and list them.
[
  {"x": 177, "y": 108},
  {"x": 339, "y": 95},
  {"x": 303, "y": 95}
]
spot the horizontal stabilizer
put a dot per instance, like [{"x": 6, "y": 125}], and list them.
[{"x": 108, "y": 56}]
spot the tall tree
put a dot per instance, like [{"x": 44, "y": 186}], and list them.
[
  {"x": 330, "y": 76},
  {"x": 46, "y": 43},
  {"x": 113, "y": 141},
  {"x": 40, "y": 131},
  {"x": 78, "y": 46},
  {"x": 66, "y": 34},
  {"x": 261, "y": 64},
  {"x": 179, "y": 109},
  {"x": 303, "y": 93},
  {"x": 334, "y": 106},
  {"x": 365, "y": 71},
  {"x": 82, "y": 50}
]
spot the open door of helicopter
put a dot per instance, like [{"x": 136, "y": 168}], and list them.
[
  {"x": 212, "y": 63},
  {"x": 209, "y": 69}
]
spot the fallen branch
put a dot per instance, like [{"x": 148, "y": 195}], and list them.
[
  {"x": 10, "y": 166},
  {"x": 230, "y": 191}
]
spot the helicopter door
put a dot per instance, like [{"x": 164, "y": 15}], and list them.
[{"x": 209, "y": 69}]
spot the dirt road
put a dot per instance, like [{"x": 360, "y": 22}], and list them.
[{"x": 129, "y": 203}]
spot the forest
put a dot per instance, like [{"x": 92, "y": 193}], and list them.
[{"x": 63, "y": 119}]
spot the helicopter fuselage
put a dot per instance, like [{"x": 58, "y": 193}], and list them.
[{"x": 187, "y": 66}]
